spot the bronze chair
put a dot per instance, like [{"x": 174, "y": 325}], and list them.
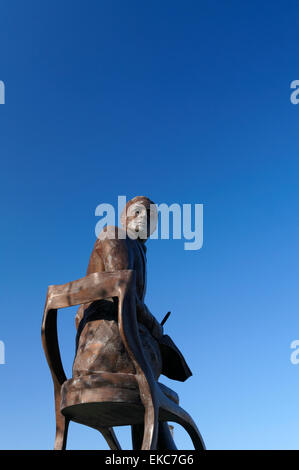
[{"x": 103, "y": 400}]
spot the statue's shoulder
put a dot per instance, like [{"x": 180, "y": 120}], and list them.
[
  {"x": 112, "y": 232},
  {"x": 112, "y": 236},
  {"x": 113, "y": 248}
]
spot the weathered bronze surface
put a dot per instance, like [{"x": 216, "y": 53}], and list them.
[{"x": 121, "y": 348}]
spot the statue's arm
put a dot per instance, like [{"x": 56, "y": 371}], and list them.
[
  {"x": 112, "y": 254},
  {"x": 108, "y": 255},
  {"x": 115, "y": 257}
]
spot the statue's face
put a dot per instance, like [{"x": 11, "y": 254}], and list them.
[{"x": 141, "y": 220}]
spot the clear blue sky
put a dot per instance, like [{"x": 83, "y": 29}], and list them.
[{"x": 185, "y": 102}]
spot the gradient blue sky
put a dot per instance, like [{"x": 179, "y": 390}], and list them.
[{"x": 186, "y": 102}]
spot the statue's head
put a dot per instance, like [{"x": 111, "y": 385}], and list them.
[{"x": 139, "y": 218}]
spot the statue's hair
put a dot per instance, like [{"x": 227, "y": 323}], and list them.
[{"x": 148, "y": 203}]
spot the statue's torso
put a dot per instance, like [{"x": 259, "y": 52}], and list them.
[{"x": 99, "y": 344}]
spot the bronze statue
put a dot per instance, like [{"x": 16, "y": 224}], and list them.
[
  {"x": 99, "y": 346},
  {"x": 120, "y": 346}
]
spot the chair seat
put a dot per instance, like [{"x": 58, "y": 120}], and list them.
[{"x": 106, "y": 399}]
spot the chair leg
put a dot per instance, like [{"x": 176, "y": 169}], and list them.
[
  {"x": 165, "y": 439},
  {"x": 110, "y": 437},
  {"x": 195, "y": 435},
  {"x": 164, "y": 442},
  {"x": 62, "y": 425},
  {"x": 137, "y": 431},
  {"x": 151, "y": 425},
  {"x": 179, "y": 415},
  {"x": 183, "y": 418}
]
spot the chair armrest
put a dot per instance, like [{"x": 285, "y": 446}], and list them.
[{"x": 93, "y": 287}]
